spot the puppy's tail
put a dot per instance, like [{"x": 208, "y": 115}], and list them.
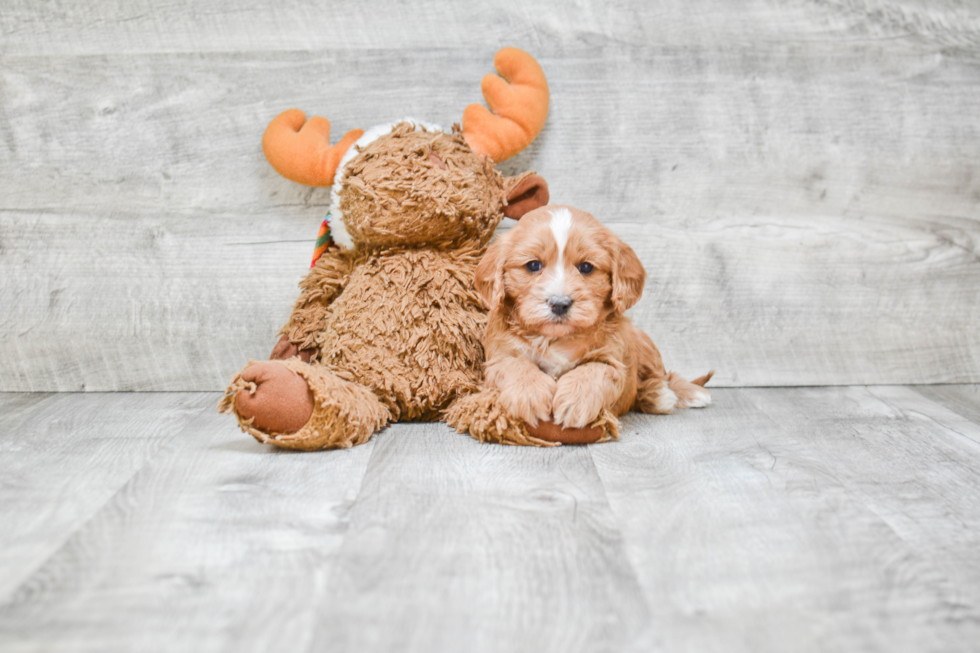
[
  {"x": 690, "y": 394},
  {"x": 652, "y": 396},
  {"x": 701, "y": 380}
]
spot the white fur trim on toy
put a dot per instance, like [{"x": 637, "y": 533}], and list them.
[{"x": 337, "y": 227}]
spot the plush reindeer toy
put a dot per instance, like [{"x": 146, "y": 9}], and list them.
[{"x": 388, "y": 325}]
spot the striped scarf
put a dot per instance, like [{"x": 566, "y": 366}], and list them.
[{"x": 324, "y": 240}]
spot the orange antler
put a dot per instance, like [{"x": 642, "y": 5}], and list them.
[
  {"x": 300, "y": 150},
  {"x": 519, "y": 105}
]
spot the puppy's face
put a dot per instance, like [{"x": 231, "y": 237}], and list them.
[{"x": 560, "y": 272}]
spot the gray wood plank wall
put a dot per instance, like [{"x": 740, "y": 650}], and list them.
[{"x": 801, "y": 178}]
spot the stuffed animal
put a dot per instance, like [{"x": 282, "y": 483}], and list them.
[{"x": 388, "y": 325}]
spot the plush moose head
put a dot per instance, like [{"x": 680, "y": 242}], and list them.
[{"x": 409, "y": 184}]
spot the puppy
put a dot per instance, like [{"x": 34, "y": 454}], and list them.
[{"x": 558, "y": 346}]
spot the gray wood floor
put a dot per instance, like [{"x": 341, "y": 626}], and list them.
[{"x": 805, "y": 519}]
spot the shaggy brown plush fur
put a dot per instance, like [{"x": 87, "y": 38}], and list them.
[
  {"x": 396, "y": 194},
  {"x": 393, "y": 329},
  {"x": 408, "y": 326}
]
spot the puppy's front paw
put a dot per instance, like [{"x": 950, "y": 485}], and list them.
[
  {"x": 531, "y": 402},
  {"x": 576, "y": 404}
]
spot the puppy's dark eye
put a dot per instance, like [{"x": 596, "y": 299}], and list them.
[
  {"x": 533, "y": 266},
  {"x": 585, "y": 268}
]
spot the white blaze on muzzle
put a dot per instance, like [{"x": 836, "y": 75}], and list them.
[{"x": 561, "y": 225}]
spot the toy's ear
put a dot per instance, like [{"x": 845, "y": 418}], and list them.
[
  {"x": 628, "y": 277},
  {"x": 525, "y": 193},
  {"x": 489, "y": 279}
]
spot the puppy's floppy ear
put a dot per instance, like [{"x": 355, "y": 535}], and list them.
[
  {"x": 489, "y": 279},
  {"x": 524, "y": 194},
  {"x": 628, "y": 277}
]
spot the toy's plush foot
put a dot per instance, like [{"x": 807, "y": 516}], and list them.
[
  {"x": 275, "y": 399},
  {"x": 551, "y": 432},
  {"x": 482, "y": 416},
  {"x": 295, "y": 405}
]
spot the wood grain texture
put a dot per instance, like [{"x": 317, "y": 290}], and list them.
[
  {"x": 649, "y": 133},
  {"x": 167, "y": 302},
  {"x": 799, "y": 177},
  {"x": 790, "y": 301},
  {"x": 961, "y": 399},
  {"x": 456, "y": 545},
  {"x": 141, "y": 26},
  {"x": 218, "y": 543},
  {"x": 804, "y": 519},
  {"x": 184, "y": 300},
  {"x": 64, "y": 456}
]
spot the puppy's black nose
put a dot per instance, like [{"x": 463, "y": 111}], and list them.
[{"x": 560, "y": 304}]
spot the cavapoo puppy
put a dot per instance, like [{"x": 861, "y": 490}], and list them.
[{"x": 559, "y": 348}]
